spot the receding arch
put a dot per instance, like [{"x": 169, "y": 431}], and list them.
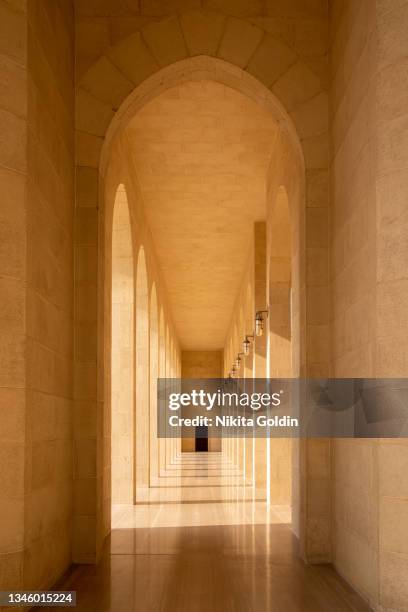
[
  {"x": 249, "y": 321},
  {"x": 162, "y": 345},
  {"x": 153, "y": 373},
  {"x": 280, "y": 288},
  {"x": 240, "y": 337},
  {"x": 122, "y": 353},
  {"x": 283, "y": 480},
  {"x": 142, "y": 377},
  {"x": 249, "y": 318},
  {"x": 162, "y": 375}
]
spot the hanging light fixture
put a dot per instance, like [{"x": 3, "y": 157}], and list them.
[
  {"x": 259, "y": 320},
  {"x": 238, "y": 360},
  {"x": 246, "y": 345}
]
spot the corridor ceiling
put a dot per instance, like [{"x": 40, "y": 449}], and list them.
[{"x": 201, "y": 153}]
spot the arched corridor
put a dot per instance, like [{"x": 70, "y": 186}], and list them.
[
  {"x": 204, "y": 194},
  {"x": 209, "y": 271}
]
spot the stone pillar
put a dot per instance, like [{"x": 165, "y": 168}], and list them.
[
  {"x": 36, "y": 277},
  {"x": 260, "y": 349},
  {"x": 391, "y": 344},
  {"x": 13, "y": 278}
]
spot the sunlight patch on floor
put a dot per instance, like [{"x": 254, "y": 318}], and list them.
[
  {"x": 198, "y": 514},
  {"x": 199, "y": 489}
]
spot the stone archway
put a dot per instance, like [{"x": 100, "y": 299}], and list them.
[
  {"x": 122, "y": 353},
  {"x": 107, "y": 99},
  {"x": 142, "y": 417},
  {"x": 281, "y": 330},
  {"x": 153, "y": 375}
]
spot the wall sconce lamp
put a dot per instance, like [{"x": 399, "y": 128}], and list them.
[
  {"x": 259, "y": 320},
  {"x": 238, "y": 360},
  {"x": 246, "y": 345}
]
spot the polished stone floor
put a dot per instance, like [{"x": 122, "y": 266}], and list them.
[{"x": 206, "y": 546}]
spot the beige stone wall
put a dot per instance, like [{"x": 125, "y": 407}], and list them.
[
  {"x": 201, "y": 364},
  {"x": 392, "y": 255},
  {"x": 37, "y": 159},
  {"x": 353, "y": 278},
  {"x": 13, "y": 275},
  {"x": 368, "y": 236},
  {"x": 49, "y": 307}
]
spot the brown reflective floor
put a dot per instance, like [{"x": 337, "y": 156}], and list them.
[{"x": 229, "y": 555}]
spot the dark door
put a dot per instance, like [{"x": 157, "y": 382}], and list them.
[{"x": 201, "y": 439}]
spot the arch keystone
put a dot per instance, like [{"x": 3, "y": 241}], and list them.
[
  {"x": 165, "y": 40},
  {"x": 236, "y": 8},
  {"x": 239, "y": 41},
  {"x": 160, "y": 8},
  {"x": 202, "y": 31}
]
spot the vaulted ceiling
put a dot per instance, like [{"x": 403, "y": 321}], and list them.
[{"x": 201, "y": 152}]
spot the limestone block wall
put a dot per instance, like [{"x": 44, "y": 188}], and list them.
[
  {"x": 368, "y": 236},
  {"x": 201, "y": 364},
  {"x": 353, "y": 278},
  {"x": 13, "y": 275},
  {"x": 37, "y": 159},
  {"x": 49, "y": 305},
  {"x": 392, "y": 284}
]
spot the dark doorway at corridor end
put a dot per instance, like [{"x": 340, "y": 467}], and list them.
[{"x": 201, "y": 439}]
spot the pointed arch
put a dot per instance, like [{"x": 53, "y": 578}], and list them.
[
  {"x": 162, "y": 375},
  {"x": 280, "y": 288},
  {"x": 122, "y": 353},
  {"x": 153, "y": 374},
  {"x": 142, "y": 377}
]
